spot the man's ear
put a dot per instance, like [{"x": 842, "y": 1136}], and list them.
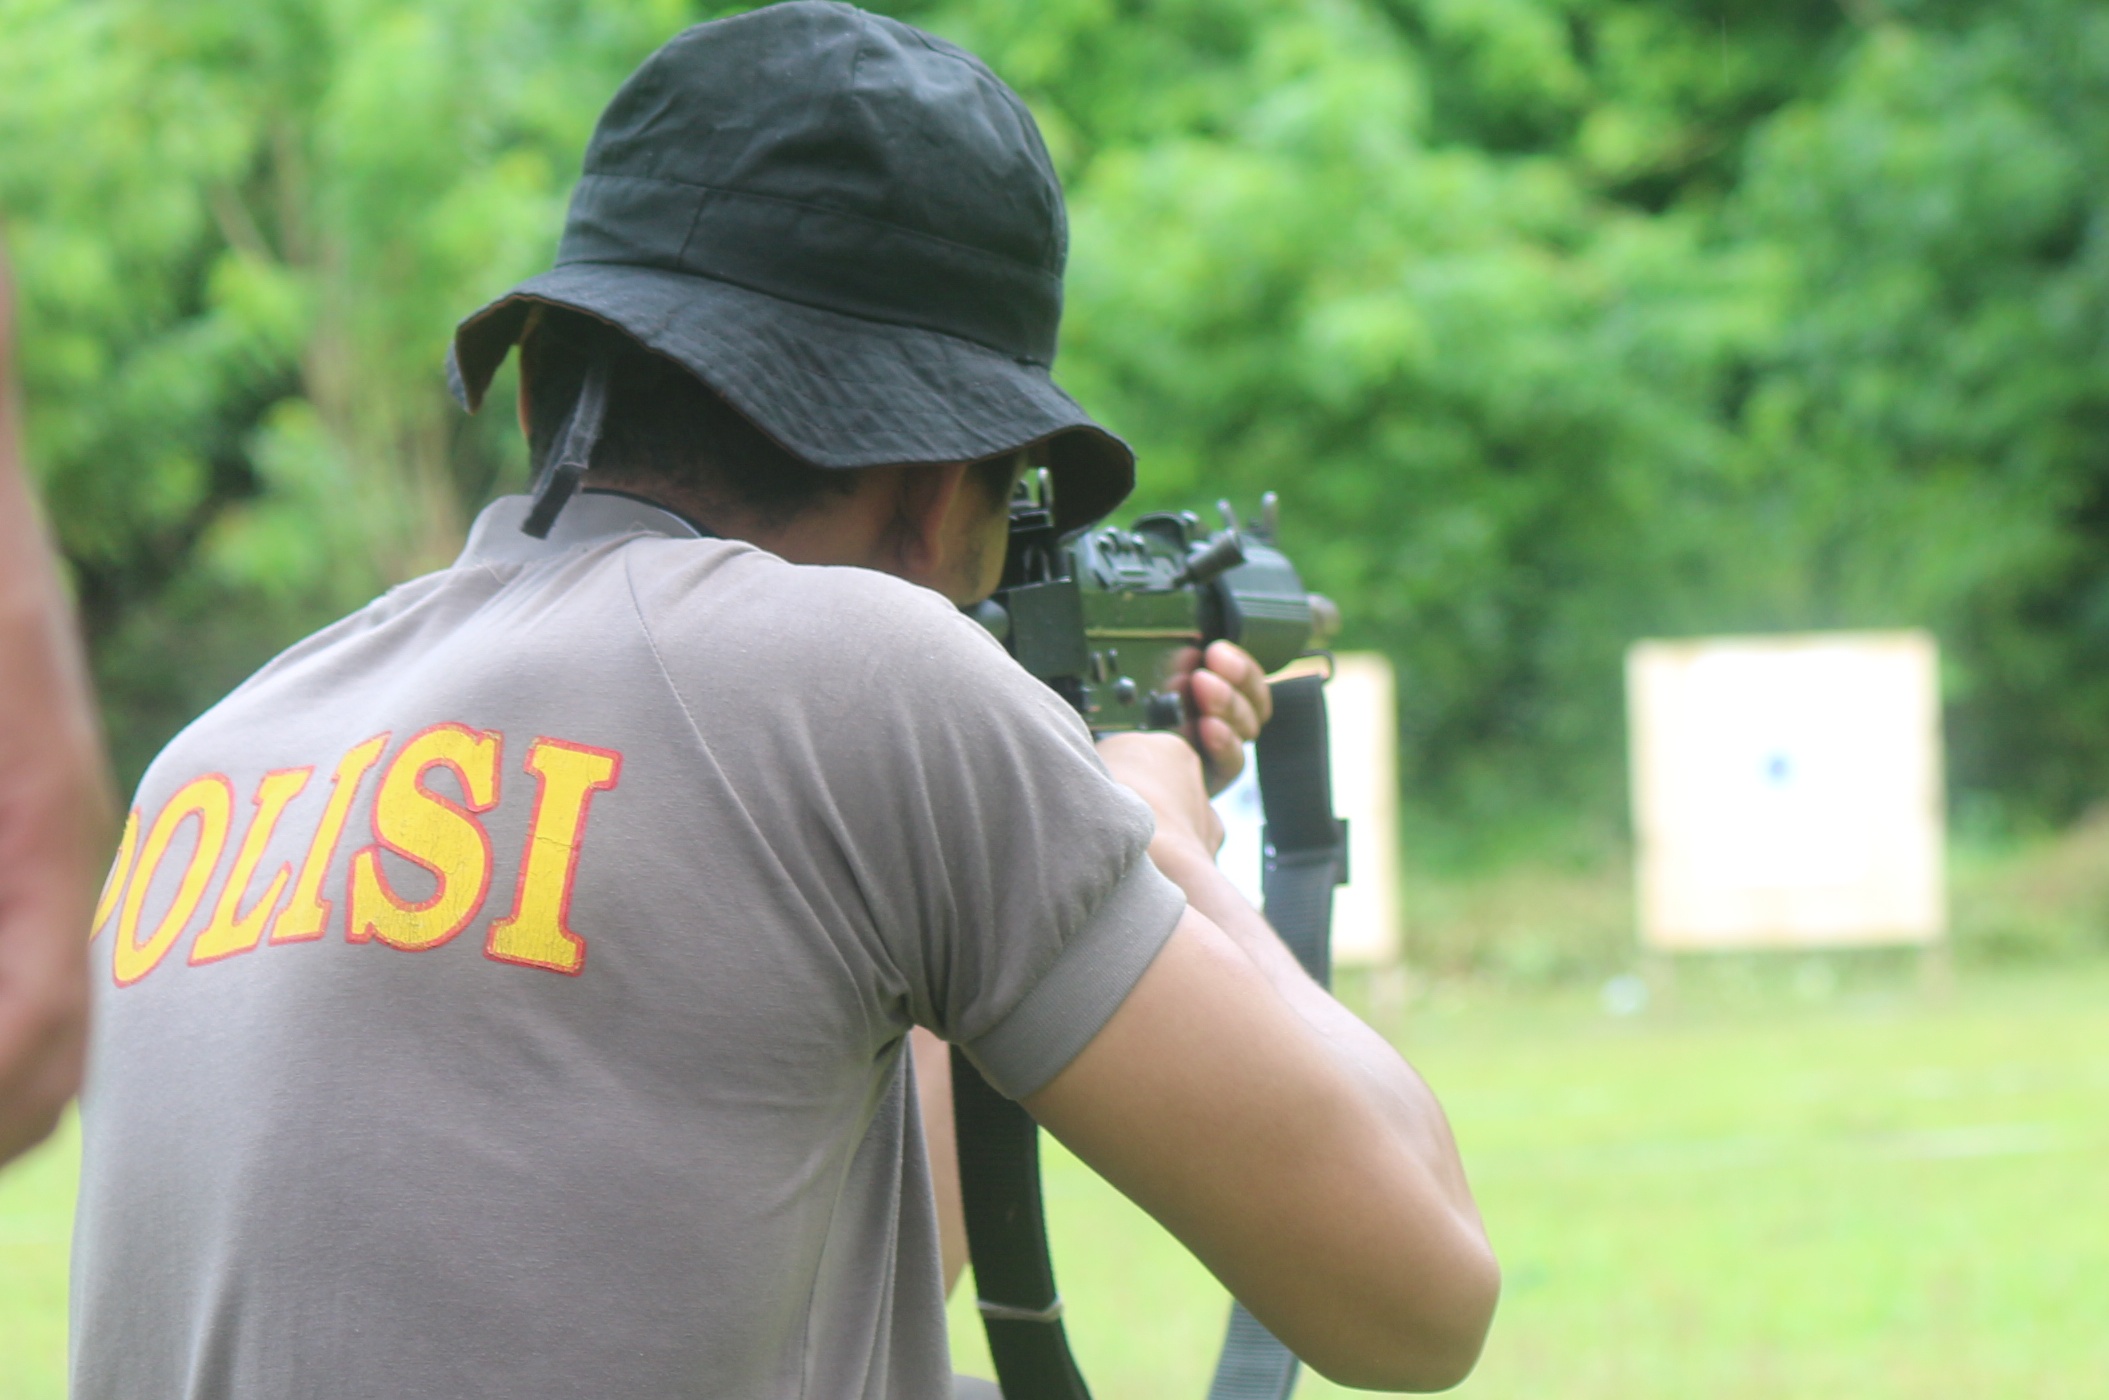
[{"x": 924, "y": 500}]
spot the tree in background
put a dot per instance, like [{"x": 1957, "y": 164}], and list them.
[
  {"x": 244, "y": 230},
  {"x": 1556, "y": 322}
]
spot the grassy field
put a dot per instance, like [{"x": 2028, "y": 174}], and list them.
[
  {"x": 1783, "y": 1180},
  {"x": 1785, "y": 1183},
  {"x": 36, "y": 1213}
]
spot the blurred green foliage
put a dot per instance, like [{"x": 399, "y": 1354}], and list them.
[{"x": 1556, "y": 322}]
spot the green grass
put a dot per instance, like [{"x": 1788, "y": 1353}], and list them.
[
  {"x": 1775, "y": 1186},
  {"x": 36, "y": 1216},
  {"x": 1772, "y": 1184}
]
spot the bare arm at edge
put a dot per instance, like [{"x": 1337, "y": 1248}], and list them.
[
  {"x": 53, "y": 806},
  {"x": 933, "y": 1089},
  {"x": 1282, "y": 1140}
]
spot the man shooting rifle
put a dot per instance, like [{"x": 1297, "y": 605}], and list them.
[{"x": 509, "y": 988}]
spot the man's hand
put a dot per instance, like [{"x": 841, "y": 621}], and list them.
[
  {"x": 1163, "y": 770},
  {"x": 1231, "y": 703},
  {"x": 53, "y": 807},
  {"x": 1228, "y": 694}
]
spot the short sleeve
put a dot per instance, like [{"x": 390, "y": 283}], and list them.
[
  {"x": 1031, "y": 907},
  {"x": 1005, "y": 870},
  {"x": 940, "y": 816}
]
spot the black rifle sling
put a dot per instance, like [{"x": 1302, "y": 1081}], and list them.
[
  {"x": 1306, "y": 849},
  {"x": 999, "y": 1149},
  {"x": 999, "y": 1184}
]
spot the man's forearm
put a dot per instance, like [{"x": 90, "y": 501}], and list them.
[
  {"x": 44, "y": 693},
  {"x": 52, "y": 806},
  {"x": 1408, "y": 1103}
]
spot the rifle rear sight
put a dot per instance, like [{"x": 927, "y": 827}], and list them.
[{"x": 1113, "y": 619}]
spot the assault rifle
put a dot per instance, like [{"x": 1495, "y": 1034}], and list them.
[{"x": 1114, "y": 620}]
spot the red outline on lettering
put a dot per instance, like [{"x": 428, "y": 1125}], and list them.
[
  {"x": 578, "y": 845},
  {"x": 118, "y": 934},
  {"x": 263, "y": 928},
  {"x": 111, "y": 898},
  {"x": 467, "y": 812}
]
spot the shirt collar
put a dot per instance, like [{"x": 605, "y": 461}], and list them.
[{"x": 588, "y": 518}]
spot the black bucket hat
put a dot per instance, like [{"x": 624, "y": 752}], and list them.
[{"x": 848, "y": 229}]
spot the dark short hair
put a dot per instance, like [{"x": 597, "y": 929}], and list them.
[{"x": 663, "y": 426}]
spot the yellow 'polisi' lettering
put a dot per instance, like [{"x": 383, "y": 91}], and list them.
[
  {"x": 106, "y": 902},
  {"x": 307, "y": 911},
  {"x": 537, "y": 932},
  {"x": 429, "y": 830},
  {"x": 230, "y": 930},
  {"x": 211, "y": 800}
]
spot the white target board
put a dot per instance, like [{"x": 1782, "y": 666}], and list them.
[
  {"x": 1361, "y": 715},
  {"x": 1787, "y": 791}
]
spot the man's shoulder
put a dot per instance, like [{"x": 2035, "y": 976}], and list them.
[
  {"x": 402, "y": 619},
  {"x": 848, "y": 656},
  {"x": 295, "y": 692}
]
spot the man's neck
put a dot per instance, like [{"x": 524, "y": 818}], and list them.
[
  {"x": 922, "y": 523},
  {"x": 671, "y": 509}
]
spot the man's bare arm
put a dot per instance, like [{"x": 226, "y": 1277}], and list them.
[
  {"x": 933, "y": 1086},
  {"x": 1231, "y": 703},
  {"x": 1287, "y": 1144},
  {"x": 53, "y": 806}
]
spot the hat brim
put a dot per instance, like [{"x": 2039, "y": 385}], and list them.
[{"x": 839, "y": 391}]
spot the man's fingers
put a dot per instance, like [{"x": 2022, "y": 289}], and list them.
[
  {"x": 1237, "y": 666},
  {"x": 38, "y": 1093},
  {"x": 1225, "y": 752},
  {"x": 1217, "y": 698},
  {"x": 1231, "y": 704},
  {"x": 43, "y": 1014}
]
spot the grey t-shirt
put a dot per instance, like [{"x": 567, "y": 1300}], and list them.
[{"x": 503, "y": 993}]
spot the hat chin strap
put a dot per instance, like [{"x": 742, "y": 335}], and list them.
[{"x": 560, "y": 479}]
